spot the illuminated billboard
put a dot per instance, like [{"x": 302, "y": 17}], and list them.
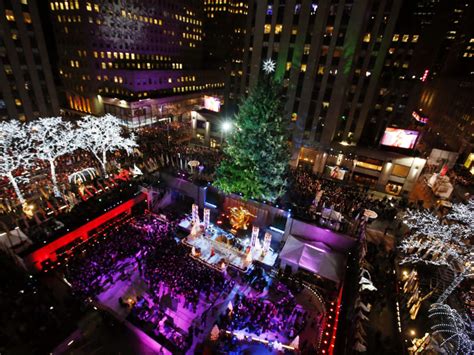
[
  {"x": 399, "y": 138},
  {"x": 419, "y": 118},
  {"x": 212, "y": 103}
]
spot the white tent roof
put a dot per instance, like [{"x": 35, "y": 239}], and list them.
[{"x": 315, "y": 257}]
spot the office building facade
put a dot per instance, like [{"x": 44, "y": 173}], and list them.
[
  {"x": 139, "y": 60},
  {"x": 330, "y": 57},
  {"x": 27, "y": 90}
]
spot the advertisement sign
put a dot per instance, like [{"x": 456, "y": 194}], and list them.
[
  {"x": 212, "y": 103},
  {"x": 419, "y": 118},
  {"x": 399, "y": 138},
  {"x": 335, "y": 172}
]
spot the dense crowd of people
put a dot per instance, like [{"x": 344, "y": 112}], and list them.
[
  {"x": 311, "y": 194},
  {"x": 257, "y": 316},
  {"x": 183, "y": 276},
  {"x": 105, "y": 258}
]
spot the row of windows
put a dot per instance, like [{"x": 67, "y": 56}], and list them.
[
  {"x": 192, "y": 36},
  {"x": 182, "y": 89},
  {"x": 405, "y": 38},
  {"x": 197, "y": 87},
  {"x": 64, "y": 18},
  {"x": 141, "y": 18},
  {"x": 147, "y": 65},
  {"x": 224, "y": 2},
  {"x": 11, "y": 17},
  {"x": 188, "y": 20},
  {"x": 133, "y": 56},
  {"x": 79, "y": 103},
  {"x": 66, "y": 5}
]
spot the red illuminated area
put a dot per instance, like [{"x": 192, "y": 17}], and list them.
[{"x": 48, "y": 252}]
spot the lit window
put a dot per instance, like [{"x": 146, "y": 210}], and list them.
[
  {"x": 288, "y": 65},
  {"x": 405, "y": 38},
  {"x": 9, "y": 15},
  {"x": 415, "y": 38},
  {"x": 278, "y": 29},
  {"x": 88, "y": 6},
  {"x": 96, "y": 7},
  {"x": 18, "y": 102},
  {"x": 395, "y": 37},
  {"x": 303, "y": 67},
  {"x": 366, "y": 37},
  {"x": 170, "y": 80}
]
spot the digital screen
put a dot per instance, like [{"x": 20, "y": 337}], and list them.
[
  {"x": 212, "y": 103},
  {"x": 336, "y": 172},
  {"x": 399, "y": 138}
]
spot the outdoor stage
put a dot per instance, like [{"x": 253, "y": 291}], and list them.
[{"x": 220, "y": 249}]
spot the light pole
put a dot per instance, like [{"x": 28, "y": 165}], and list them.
[{"x": 226, "y": 127}]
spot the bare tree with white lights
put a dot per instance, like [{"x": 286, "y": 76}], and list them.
[
  {"x": 15, "y": 152},
  {"x": 454, "y": 330},
  {"x": 439, "y": 242},
  {"x": 53, "y": 137},
  {"x": 102, "y": 135}
]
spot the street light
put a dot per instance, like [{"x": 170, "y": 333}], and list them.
[{"x": 226, "y": 127}]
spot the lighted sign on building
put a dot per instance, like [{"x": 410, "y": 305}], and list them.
[
  {"x": 399, "y": 138},
  {"x": 419, "y": 118},
  {"x": 212, "y": 103}
]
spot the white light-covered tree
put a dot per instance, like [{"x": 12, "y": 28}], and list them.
[
  {"x": 102, "y": 135},
  {"x": 432, "y": 250},
  {"x": 15, "y": 152},
  {"x": 426, "y": 223},
  {"x": 439, "y": 242},
  {"x": 53, "y": 137},
  {"x": 462, "y": 213},
  {"x": 454, "y": 331}
]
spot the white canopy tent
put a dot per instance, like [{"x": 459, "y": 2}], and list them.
[{"x": 315, "y": 257}]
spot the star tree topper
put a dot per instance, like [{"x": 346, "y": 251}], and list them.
[{"x": 268, "y": 66}]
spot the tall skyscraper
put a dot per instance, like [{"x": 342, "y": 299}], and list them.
[
  {"x": 330, "y": 56},
  {"x": 139, "y": 60},
  {"x": 26, "y": 83},
  {"x": 224, "y": 33},
  {"x": 446, "y": 99}
]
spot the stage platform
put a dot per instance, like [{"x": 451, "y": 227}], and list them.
[{"x": 214, "y": 245}]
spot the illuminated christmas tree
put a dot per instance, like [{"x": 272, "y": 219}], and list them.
[{"x": 256, "y": 157}]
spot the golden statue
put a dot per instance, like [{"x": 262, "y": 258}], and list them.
[{"x": 239, "y": 218}]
